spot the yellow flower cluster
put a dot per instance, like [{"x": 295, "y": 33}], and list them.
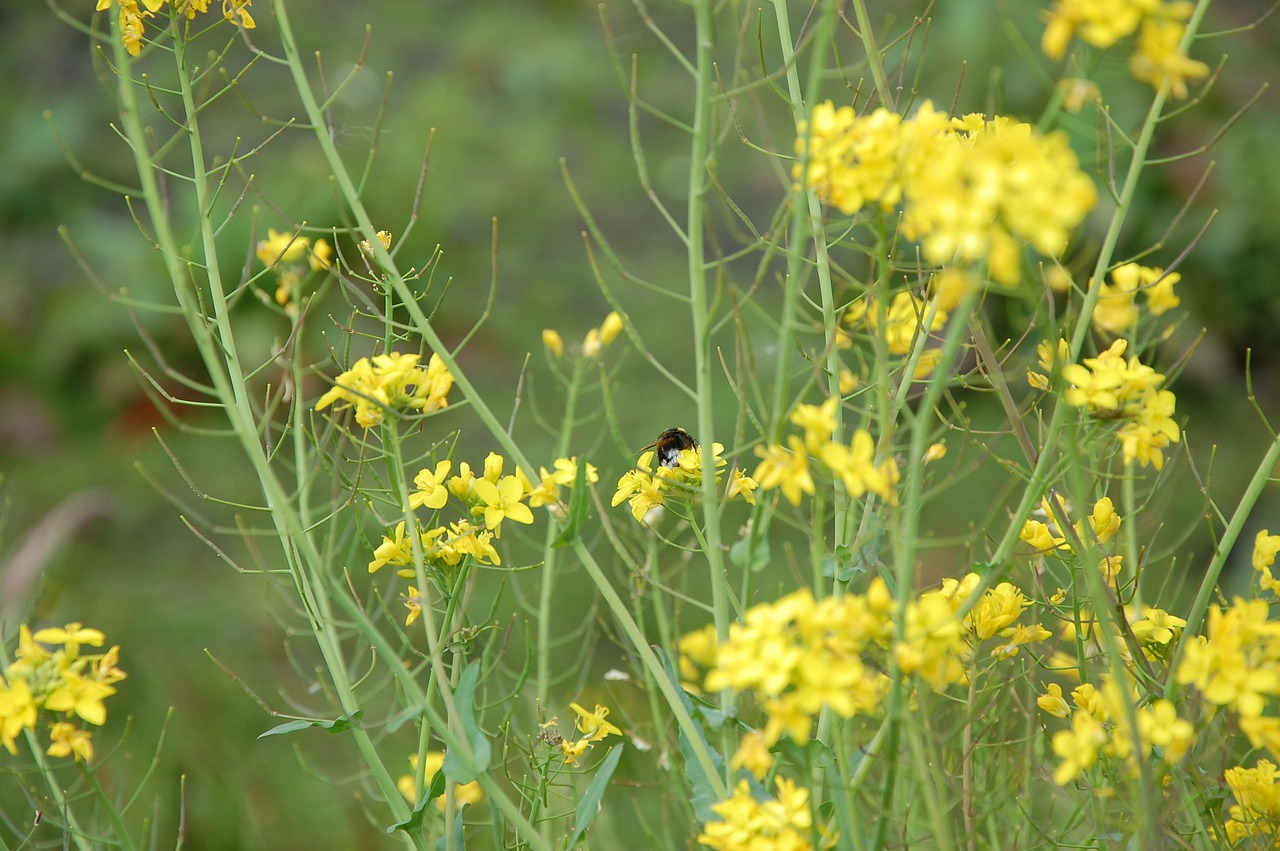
[
  {"x": 463, "y": 793},
  {"x": 593, "y": 725},
  {"x": 284, "y": 253},
  {"x": 1265, "y": 547},
  {"x": 993, "y": 616},
  {"x": 1256, "y": 812},
  {"x": 390, "y": 381},
  {"x": 1100, "y": 728},
  {"x": 1236, "y": 663},
  {"x": 1158, "y": 58},
  {"x": 65, "y": 683},
  {"x": 1046, "y": 536},
  {"x": 1117, "y": 308},
  {"x": 787, "y": 467},
  {"x": 646, "y": 488},
  {"x": 971, "y": 190},
  {"x": 487, "y": 501},
  {"x": 131, "y": 18},
  {"x": 779, "y": 824},
  {"x": 1111, "y": 387},
  {"x": 798, "y": 655}
]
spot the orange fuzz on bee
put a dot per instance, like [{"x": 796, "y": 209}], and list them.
[{"x": 670, "y": 444}]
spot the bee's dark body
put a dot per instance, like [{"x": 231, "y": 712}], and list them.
[{"x": 670, "y": 444}]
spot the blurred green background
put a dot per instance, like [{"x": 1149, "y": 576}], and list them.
[{"x": 511, "y": 88}]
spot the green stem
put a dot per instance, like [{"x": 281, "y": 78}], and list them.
[
  {"x": 670, "y": 691},
  {"x": 550, "y": 555}
]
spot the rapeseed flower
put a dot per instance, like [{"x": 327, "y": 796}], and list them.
[
  {"x": 463, "y": 793},
  {"x": 779, "y": 824},
  {"x": 392, "y": 381},
  {"x": 63, "y": 682}
]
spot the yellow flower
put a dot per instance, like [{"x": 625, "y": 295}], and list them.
[
  {"x": 81, "y": 696},
  {"x": 17, "y": 711},
  {"x": 1051, "y": 702},
  {"x": 854, "y": 464},
  {"x": 566, "y": 472},
  {"x": 463, "y": 793},
  {"x": 753, "y": 755},
  {"x": 1077, "y": 747},
  {"x": 593, "y": 724},
  {"x": 396, "y": 550},
  {"x": 817, "y": 421},
  {"x": 282, "y": 247},
  {"x": 66, "y": 739},
  {"x": 237, "y": 12},
  {"x": 71, "y": 637},
  {"x": 431, "y": 491},
  {"x": 785, "y": 469},
  {"x": 610, "y": 328},
  {"x": 780, "y": 824},
  {"x": 390, "y": 381},
  {"x": 1159, "y": 59},
  {"x": 573, "y": 750},
  {"x": 553, "y": 342},
  {"x": 740, "y": 484},
  {"x": 384, "y": 237}
]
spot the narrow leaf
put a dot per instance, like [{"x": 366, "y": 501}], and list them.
[{"x": 589, "y": 805}]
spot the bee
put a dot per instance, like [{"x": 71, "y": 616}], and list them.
[{"x": 670, "y": 444}]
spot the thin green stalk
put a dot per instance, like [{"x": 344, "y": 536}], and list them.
[
  {"x": 906, "y": 538},
  {"x": 872, "y": 51},
  {"x": 670, "y": 691},
  {"x": 394, "y": 278},
  {"x": 550, "y": 555}
]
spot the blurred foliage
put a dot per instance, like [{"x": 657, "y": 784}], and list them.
[{"x": 509, "y": 89}]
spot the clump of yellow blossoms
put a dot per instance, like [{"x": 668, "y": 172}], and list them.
[
  {"x": 799, "y": 655},
  {"x": 463, "y": 793},
  {"x": 64, "y": 683},
  {"x": 487, "y": 501},
  {"x": 1117, "y": 308},
  {"x": 1256, "y": 812},
  {"x": 645, "y": 488},
  {"x": 1110, "y": 387},
  {"x": 779, "y": 824},
  {"x": 132, "y": 17},
  {"x": 1100, "y": 728},
  {"x": 1101, "y": 526},
  {"x": 1236, "y": 663},
  {"x": 786, "y": 468},
  {"x": 1158, "y": 58},
  {"x": 284, "y": 253},
  {"x": 972, "y": 190},
  {"x": 390, "y": 381},
  {"x": 593, "y": 725}
]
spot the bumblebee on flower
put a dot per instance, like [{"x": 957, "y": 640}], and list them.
[{"x": 679, "y": 470}]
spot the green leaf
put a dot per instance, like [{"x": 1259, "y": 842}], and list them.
[
  {"x": 414, "y": 822},
  {"x": 457, "y": 832},
  {"x": 589, "y": 805},
  {"x": 464, "y": 698},
  {"x": 579, "y": 501},
  {"x": 337, "y": 725},
  {"x": 704, "y": 795},
  {"x": 749, "y": 554}
]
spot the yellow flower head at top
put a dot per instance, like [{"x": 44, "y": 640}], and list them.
[
  {"x": 65, "y": 681},
  {"x": 392, "y": 381}
]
